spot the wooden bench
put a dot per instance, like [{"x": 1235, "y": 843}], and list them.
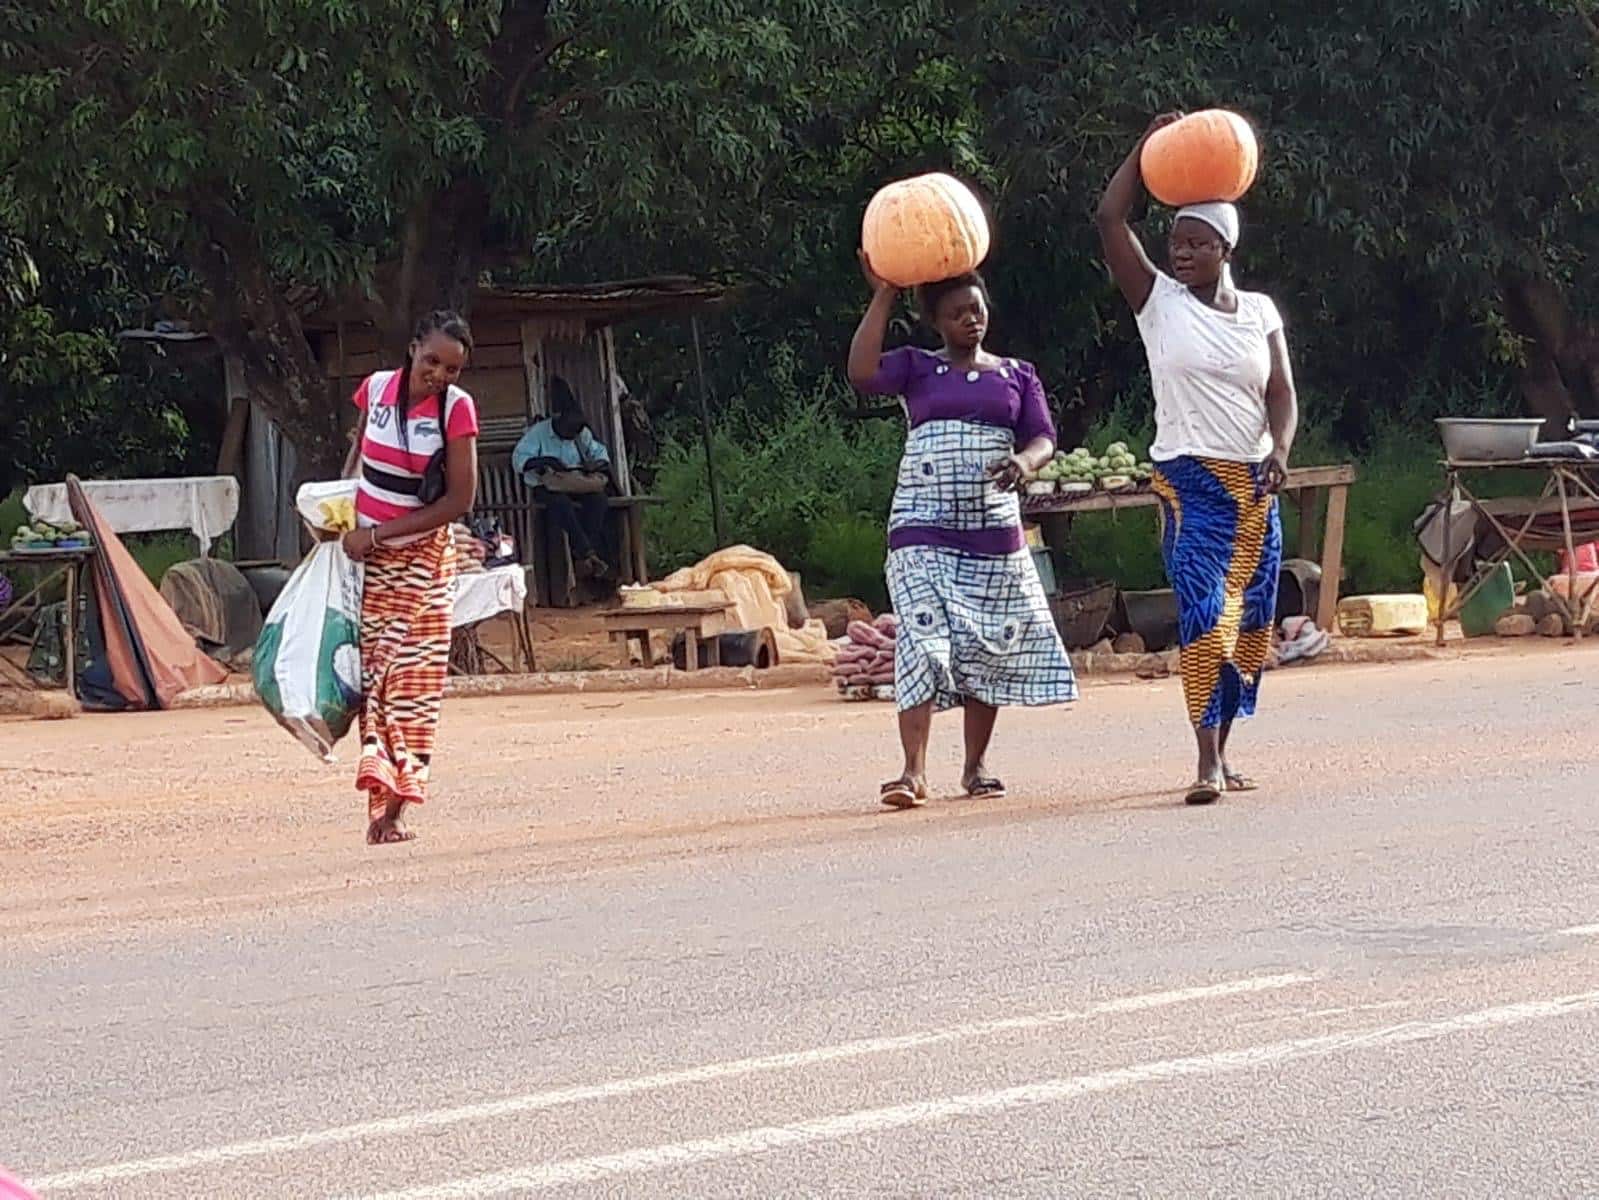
[
  {"x": 503, "y": 496},
  {"x": 635, "y": 568},
  {"x": 697, "y": 623}
]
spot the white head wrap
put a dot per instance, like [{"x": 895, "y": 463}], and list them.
[{"x": 1223, "y": 218}]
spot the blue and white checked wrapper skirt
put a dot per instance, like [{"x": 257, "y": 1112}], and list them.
[{"x": 974, "y": 626}]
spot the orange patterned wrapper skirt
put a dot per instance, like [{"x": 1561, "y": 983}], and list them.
[{"x": 406, "y": 604}]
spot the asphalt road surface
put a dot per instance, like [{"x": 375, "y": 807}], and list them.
[{"x": 665, "y": 946}]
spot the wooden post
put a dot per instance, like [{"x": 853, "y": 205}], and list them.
[
  {"x": 236, "y": 402},
  {"x": 1332, "y": 555},
  {"x": 613, "y": 386},
  {"x": 1309, "y": 501},
  {"x": 633, "y": 518},
  {"x": 532, "y": 372},
  {"x": 717, "y": 525}
]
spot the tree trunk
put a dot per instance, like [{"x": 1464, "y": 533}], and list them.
[
  {"x": 250, "y": 318},
  {"x": 441, "y": 254},
  {"x": 1562, "y": 369}
]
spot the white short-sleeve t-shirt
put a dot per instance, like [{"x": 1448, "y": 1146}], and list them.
[{"x": 1209, "y": 370}]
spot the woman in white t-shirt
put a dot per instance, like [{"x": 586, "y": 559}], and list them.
[{"x": 1225, "y": 417}]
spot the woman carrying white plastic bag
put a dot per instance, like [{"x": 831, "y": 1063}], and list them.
[{"x": 416, "y": 450}]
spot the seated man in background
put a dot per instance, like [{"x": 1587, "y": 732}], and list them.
[{"x": 569, "y": 470}]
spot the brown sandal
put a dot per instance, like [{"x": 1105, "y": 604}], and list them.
[
  {"x": 901, "y": 793},
  {"x": 390, "y": 836}
]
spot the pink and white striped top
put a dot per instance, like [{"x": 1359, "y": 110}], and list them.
[{"x": 392, "y": 465}]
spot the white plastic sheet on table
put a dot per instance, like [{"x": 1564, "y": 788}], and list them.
[
  {"x": 205, "y": 505},
  {"x": 480, "y": 595}
]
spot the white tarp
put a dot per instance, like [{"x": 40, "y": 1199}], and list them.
[
  {"x": 205, "y": 505},
  {"x": 480, "y": 595}
]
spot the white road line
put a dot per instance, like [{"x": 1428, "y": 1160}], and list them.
[
  {"x": 709, "y": 1073},
  {"x": 1579, "y": 931},
  {"x": 871, "y": 1121}
]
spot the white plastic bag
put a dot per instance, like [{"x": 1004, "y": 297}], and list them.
[
  {"x": 329, "y": 507},
  {"x": 307, "y": 664}
]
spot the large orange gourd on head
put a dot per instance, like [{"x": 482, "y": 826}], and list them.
[
  {"x": 924, "y": 229},
  {"x": 1205, "y": 156}
]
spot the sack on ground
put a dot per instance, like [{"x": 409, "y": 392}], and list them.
[{"x": 307, "y": 664}]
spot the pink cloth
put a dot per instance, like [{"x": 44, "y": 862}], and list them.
[{"x": 12, "y": 1188}]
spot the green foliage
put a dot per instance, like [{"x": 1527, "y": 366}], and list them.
[
  {"x": 230, "y": 156},
  {"x": 797, "y": 480},
  {"x": 387, "y": 153},
  {"x": 845, "y": 558},
  {"x": 71, "y": 398}
]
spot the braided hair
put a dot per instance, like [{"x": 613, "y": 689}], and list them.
[{"x": 453, "y": 326}]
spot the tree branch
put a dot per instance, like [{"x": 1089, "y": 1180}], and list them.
[
  {"x": 513, "y": 95},
  {"x": 549, "y": 113},
  {"x": 1587, "y": 20}
]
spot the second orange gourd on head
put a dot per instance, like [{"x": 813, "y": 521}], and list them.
[{"x": 1210, "y": 155}]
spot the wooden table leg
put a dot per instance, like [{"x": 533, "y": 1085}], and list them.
[
  {"x": 691, "y": 649},
  {"x": 524, "y": 640},
  {"x": 71, "y": 630},
  {"x": 621, "y": 637},
  {"x": 713, "y": 651},
  {"x": 1332, "y": 556},
  {"x": 1571, "y": 558}
]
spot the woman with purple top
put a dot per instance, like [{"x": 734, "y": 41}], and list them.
[{"x": 975, "y": 630}]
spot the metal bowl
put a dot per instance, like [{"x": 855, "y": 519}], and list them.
[{"x": 1482, "y": 439}]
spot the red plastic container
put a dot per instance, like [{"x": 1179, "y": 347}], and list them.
[{"x": 1587, "y": 560}]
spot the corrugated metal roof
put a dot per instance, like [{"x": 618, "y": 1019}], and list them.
[{"x": 594, "y": 303}]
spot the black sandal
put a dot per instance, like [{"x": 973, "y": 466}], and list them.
[{"x": 985, "y": 788}]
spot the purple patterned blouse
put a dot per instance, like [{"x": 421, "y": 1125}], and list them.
[{"x": 1008, "y": 397}]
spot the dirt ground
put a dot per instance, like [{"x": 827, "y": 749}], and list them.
[{"x": 177, "y": 816}]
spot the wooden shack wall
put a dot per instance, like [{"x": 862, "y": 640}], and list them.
[
  {"x": 495, "y": 375},
  {"x": 508, "y": 373}
]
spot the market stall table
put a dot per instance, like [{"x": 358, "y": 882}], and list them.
[
  {"x": 697, "y": 623},
  {"x": 1563, "y": 516},
  {"x": 482, "y": 596},
  {"x": 205, "y": 505},
  {"x": 1306, "y": 484},
  {"x": 48, "y": 566}
]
